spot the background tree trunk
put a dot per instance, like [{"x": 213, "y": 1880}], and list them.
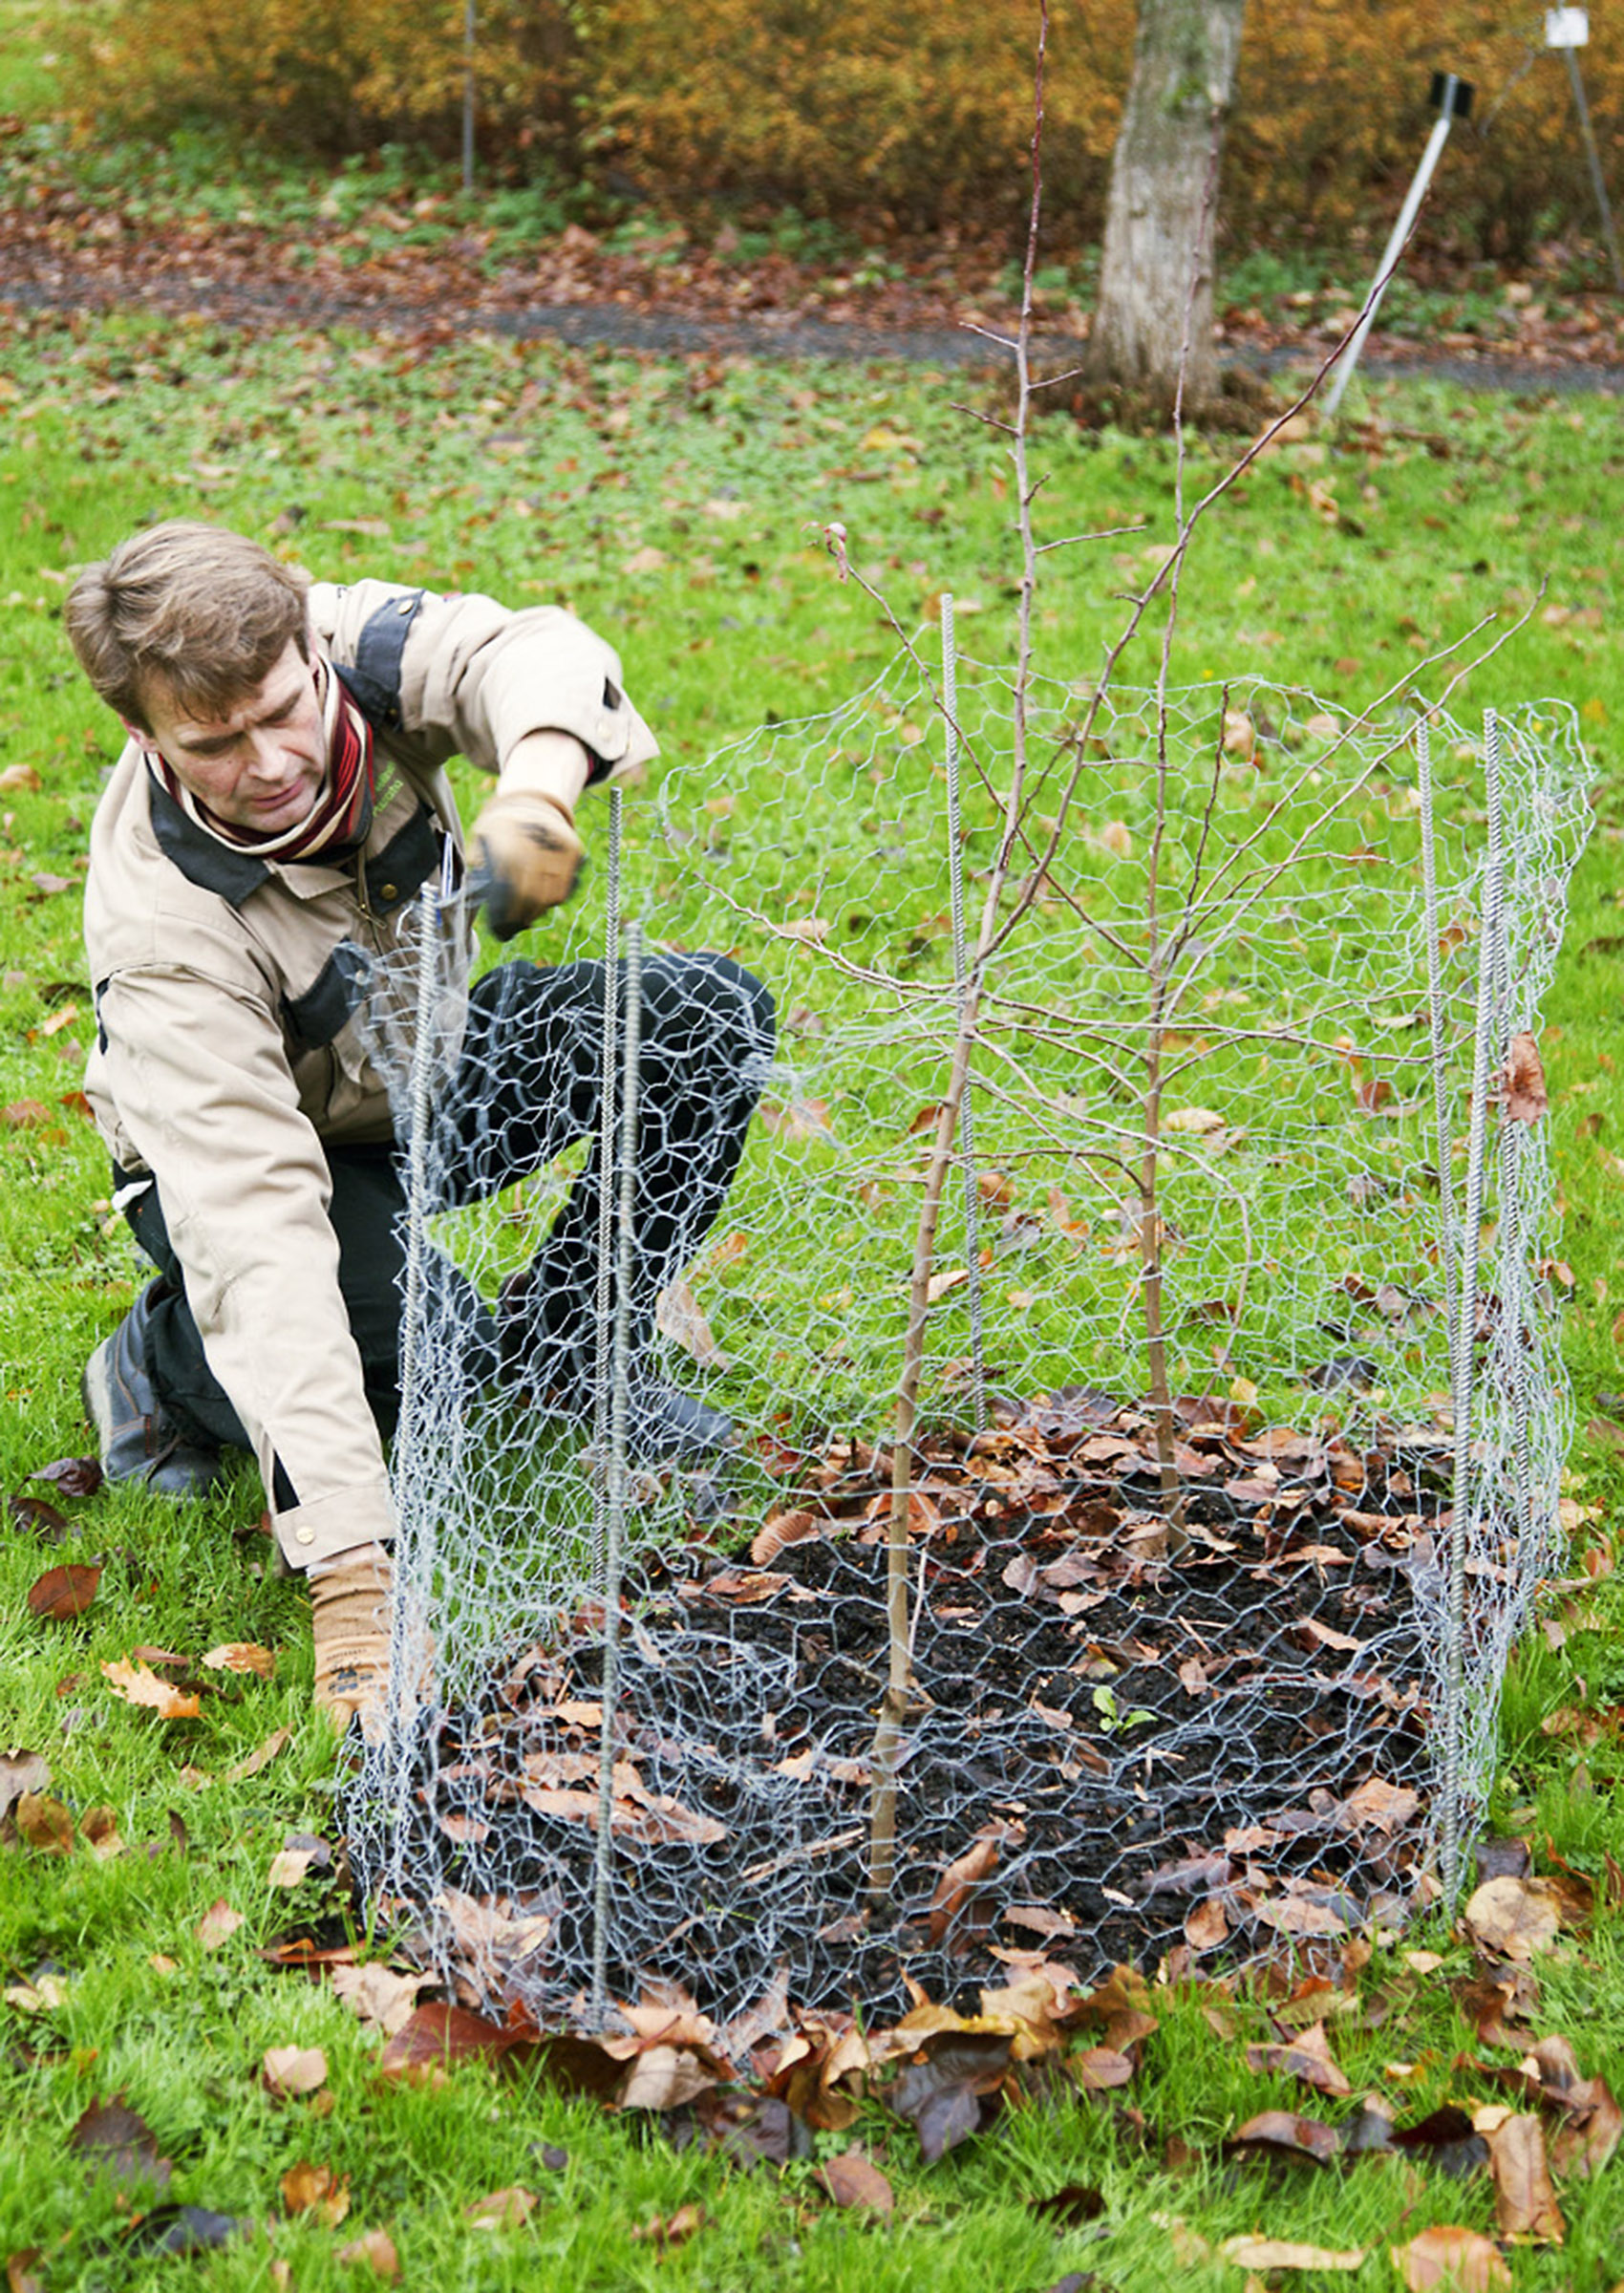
[{"x": 1157, "y": 270}]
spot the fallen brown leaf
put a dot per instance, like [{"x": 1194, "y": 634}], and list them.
[
  {"x": 782, "y": 1530},
  {"x": 435, "y": 2036},
  {"x": 294, "y": 2069},
  {"x": 1271, "y": 2253},
  {"x": 138, "y": 1683},
  {"x": 218, "y": 1925},
  {"x": 850, "y": 2180},
  {"x": 1307, "y": 2057},
  {"x": 1281, "y": 2132},
  {"x": 1512, "y": 1917},
  {"x": 1591, "y": 2121},
  {"x": 1525, "y": 2203},
  {"x": 1458, "y": 2260},
  {"x": 63, "y": 1594},
  {"x": 316, "y": 2189},
  {"x": 679, "y": 1317},
  {"x": 241, "y": 1655},
  {"x": 675, "y": 2230},
  {"x": 44, "y": 1823},
  {"x": 502, "y": 2209},
  {"x": 373, "y": 2250},
  {"x": 1207, "y": 1926},
  {"x": 261, "y": 1756},
  {"x": 1527, "y": 1098},
  {"x": 99, "y": 1828},
  {"x": 21, "y": 1772},
  {"x": 957, "y": 1885},
  {"x": 289, "y": 1866},
  {"x": 121, "y": 2145},
  {"x": 382, "y": 1998}
]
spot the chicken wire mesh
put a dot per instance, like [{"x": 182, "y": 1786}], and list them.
[{"x": 1253, "y": 1067}]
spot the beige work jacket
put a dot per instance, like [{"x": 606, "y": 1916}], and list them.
[{"x": 229, "y": 993}]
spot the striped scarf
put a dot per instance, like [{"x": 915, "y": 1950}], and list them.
[{"x": 339, "y": 823}]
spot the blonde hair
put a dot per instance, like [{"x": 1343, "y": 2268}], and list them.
[{"x": 199, "y": 612}]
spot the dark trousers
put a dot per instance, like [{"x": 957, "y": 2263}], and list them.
[{"x": 528, "y": 1084}]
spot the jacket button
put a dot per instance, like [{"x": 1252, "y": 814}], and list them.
[
  {"x": 388, "y": 892},
  {"x": 305, "y": 1535}
]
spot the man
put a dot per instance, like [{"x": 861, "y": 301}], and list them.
[{"x": 255, "y": 862}]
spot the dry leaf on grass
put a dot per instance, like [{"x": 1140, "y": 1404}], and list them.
[
  {"x": 241, "y": 1655},
  {"x": 1525, "y": 2203},
  {"x": 316, "y": 2189},
  {"x": 63, "y": 1594},
  {"x": 851, "y": 2181},
  {"x": 1591, "y": 2121},
  {"x": 98, "y": 1829},
  {"x": 1307, "y": 2057},
  {"x": 294, "y": 2069},
  {"x": 1275, "y": 2133},
  {"x": 1512, "y": 1917},
  {"x": 138, "y": 1683},
  {"x": 218, "y": 1925},
  {"x": 1271, "y": 2253},
  {"x": 382, "y": 1997},
  {"x": 260, "y": 1757},
  {"x": 502, "y": 2209},
  {"x": 1458, "y": 2261},
  {"x": 44, "y": 1823},
  {"x": 675, "y": 2230},
  {"x": 679, "y": 1317},
  {"x": 40, "y": 1997},
  {"x": 1527, "y": 1098},
  {"x": 289, "y": 1866},
  {"x": 21, "y": 1772},
  {"x": 373, "y": 2250},
  {"x": 121, "y": 2146}
]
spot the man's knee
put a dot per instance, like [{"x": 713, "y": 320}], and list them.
[{"x": 720, "y": 1005}]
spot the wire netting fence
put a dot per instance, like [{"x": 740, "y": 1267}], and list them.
[{"x": 1237, "y": 1457}]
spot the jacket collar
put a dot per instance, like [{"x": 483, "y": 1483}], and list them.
[{"x": 201, "y": 858}]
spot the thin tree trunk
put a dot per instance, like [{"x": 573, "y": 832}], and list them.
[{"x": 1156, "y": 276}]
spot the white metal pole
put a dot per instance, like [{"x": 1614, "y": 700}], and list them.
[
  {"x": 470, "y": 39},
  {"x": 1343, "y": 372}
]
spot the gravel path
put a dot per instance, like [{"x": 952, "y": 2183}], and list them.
[{"x": 588, "y": 324}]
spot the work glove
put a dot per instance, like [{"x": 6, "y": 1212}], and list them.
[
  {"x": 350, "y": 1598},
  {"x": 524, "y": 858}
]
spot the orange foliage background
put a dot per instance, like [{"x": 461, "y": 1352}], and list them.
[{"x": 913, "y": 111}]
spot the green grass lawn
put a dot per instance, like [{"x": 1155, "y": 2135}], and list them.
[{"x": 676, "y": 505}]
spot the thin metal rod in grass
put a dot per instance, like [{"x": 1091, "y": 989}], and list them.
[
  {"x": 893, "y": 1704},
  {"x": 614, "y": 1516}
]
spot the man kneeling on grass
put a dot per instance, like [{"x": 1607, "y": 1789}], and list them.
[{"x": 279, "y": 800}]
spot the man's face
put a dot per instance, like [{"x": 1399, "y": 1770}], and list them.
[{"x": 259, "y": 767}]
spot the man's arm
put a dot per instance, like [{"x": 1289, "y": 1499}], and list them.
[
  {"x": 534, "y": 696},
  {"x": 199, "y": 1069}
]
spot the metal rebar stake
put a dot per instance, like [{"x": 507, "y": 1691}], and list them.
[
  {"x": 1440, "y": 1052},
  {"x": 1599, "y": 180},
  {"x": 408, "y": 1638},
  {"x": 602, "y": 1373},
  {"x": 1515, "y": 1303},
  {"x": 619, "y": 1415},
  {"x": 470, "y": 52},
  {"x": 961, "y": 986},
  {"x": 1454, "y": 1619}
]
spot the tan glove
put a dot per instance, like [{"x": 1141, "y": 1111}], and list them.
[
  {"x": 350, "y": 1596},
  {"x": 526, "y": 857}
]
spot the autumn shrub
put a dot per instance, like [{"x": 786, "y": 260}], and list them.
[
  {"x": 325, "y": 76},
  {"x": 875, "y": 108},
  {"x": 839, "y": 106},
  {"x": 1332, "y": 111}
]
